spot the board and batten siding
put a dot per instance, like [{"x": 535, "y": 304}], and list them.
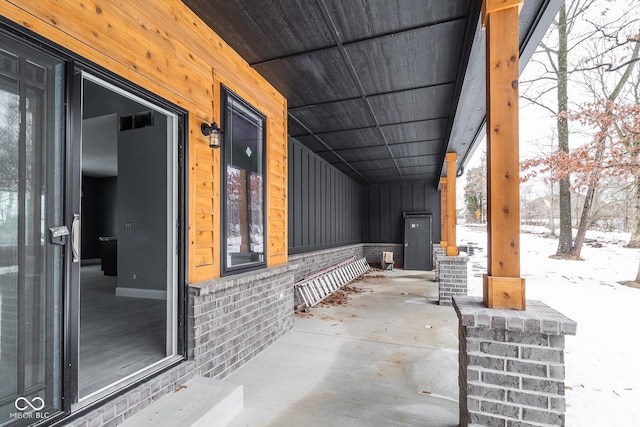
[
  {"x": 324, "y": 203},
  {"x": 384, "y": 221},
  {"x": 162, "y": 46}
]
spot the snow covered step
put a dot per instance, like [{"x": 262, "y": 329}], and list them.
[{"x": 202, "y": 402}]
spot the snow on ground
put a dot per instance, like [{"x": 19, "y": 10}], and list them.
[{"x": 602, "y": 360}]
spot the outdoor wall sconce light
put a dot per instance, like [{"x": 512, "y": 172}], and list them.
[{"x": 213, "y": 132}]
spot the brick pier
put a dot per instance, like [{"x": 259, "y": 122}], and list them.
[
  {"x": 511, "y": 364},
  {"x": 452, "y": 277},
  {"x": 437, "y": 253}
]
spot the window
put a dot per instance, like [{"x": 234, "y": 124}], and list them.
[{"x": 243, "y": 171}]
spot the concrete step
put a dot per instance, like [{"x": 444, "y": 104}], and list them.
[{"x": 203, "y": 402}]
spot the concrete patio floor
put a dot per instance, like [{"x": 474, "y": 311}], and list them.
[{"x": 387, "y": 358}]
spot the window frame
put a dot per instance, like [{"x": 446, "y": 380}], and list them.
[{"x": 226, "y": 95}]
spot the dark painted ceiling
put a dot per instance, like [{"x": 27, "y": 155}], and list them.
[{"x": 381, "y": 89}]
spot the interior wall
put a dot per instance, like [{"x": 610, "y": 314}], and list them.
[
  {"x": 325, "y": 206},
  {"x": 100, "y": 111},
  {"x": 383, "y": 220},
  {"x": 142, "y": 206}
]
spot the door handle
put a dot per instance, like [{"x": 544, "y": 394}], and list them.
[
  {"x": 58, "y": 235},
  {"x": 75, "y": 238}
]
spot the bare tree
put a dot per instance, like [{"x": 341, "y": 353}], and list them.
[
  {"x": 599, "y": 84},
  {"x": 552, "y": 59},
  {"x": 605, "y": 52},
  {"x": 634, "y": 242}
]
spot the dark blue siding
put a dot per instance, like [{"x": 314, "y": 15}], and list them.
[
  {"x": 385, "y": 204},
  {"x": 329, "y": 209},
  {"x": 325, "y": 206}
]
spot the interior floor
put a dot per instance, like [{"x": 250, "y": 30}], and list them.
[{"x": 118, "y": 335}]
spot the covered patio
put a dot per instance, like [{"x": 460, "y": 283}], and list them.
[
  {"x": 388, "y": 356},
  {"x": 386, "y": 103},
  {"x": 384, "y": 355},
  {"x": 363, "y": 114},
  {"x": 395, "y": 97}
]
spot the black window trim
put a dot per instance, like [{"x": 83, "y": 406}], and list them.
[{"x": 225, "y": 270}]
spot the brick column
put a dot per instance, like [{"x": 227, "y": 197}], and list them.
[
  {"x": 437, "y": 253},
  {"x": 511, "y": 364},
  {"x": 452, "y": 277}
]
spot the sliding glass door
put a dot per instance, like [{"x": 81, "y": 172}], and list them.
[
  {"x": 32, "y": 235},
  {"x": 125, "y": 196},
  {"x": 91, "y": 211}
]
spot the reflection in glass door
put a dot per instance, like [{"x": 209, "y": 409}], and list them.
[
  {"x": 31, "y": 256},
  {"x": 127, "y": 273}
]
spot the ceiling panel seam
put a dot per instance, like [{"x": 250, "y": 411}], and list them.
[
  {"x": 352, "y": 70},
  {"x": 375, "y": 146},
  {"x": 380, "y": 158},
  {"x": 326, "y": 145},
  {"x": 409, "y": 122},
  {"x": 373, "y": 95},
  {"x": 356, "y": 41},
  {"x": 416, "y": 156}
]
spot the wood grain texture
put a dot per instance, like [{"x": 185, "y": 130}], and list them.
[
  {"x": 491, "y": 6},
  {"x": 452, "y": 243},
  {"x": 165, "y": 48},
  {"x": 444, "y": 216},
  {"x": 503, "y": 181},
  {"x": 504, "y": 292}
]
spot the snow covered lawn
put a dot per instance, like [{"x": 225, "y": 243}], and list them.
[{"x": 602, "y": 360}]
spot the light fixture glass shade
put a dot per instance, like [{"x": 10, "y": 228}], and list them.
[
  {"x": 214, "y": 139},
  {"x": 213, "y": 132}
]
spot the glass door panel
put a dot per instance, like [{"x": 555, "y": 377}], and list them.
[
  {"x": 127, "y": 270},
  {"x": 31, "y": 267}
]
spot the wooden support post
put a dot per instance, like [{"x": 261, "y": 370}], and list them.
[
  {"x": 503, "y": 287},
  {"x": 443, "y": 212},
  {"x": 452, "y": 244}
]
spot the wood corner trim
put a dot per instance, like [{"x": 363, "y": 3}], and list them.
[
  {"x": 504, "y": 292},
  {"x": 491, "y": 6}
]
